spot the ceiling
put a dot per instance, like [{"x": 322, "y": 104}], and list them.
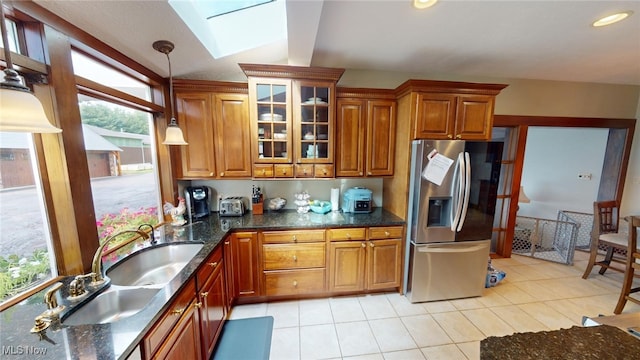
[{"x": 545, "y": 40}]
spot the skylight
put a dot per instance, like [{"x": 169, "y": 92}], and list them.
[{"x": 228, "y": 27}]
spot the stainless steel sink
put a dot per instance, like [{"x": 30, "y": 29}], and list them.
[
  {"x": 111, "y": 306},
  {"x": 155, "y": 266}
]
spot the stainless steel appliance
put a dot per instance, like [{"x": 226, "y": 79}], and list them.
[
  {"x": 357, "y": 200},
  {"x": 197, "y": 200},
  {"x": 232, "y": 206},
  {"x": 452, "y": 198}
]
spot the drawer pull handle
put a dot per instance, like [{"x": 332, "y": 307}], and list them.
[
  {"x": 295, "y": 258},
  {"x": 198, "y": 304},
  {"x": 204, "y": 294},
  {"x": 295, "y": 283},
  {"x": 177, "y": 311},
  {"x": 213, "y": 264},
  {"x": 364, "y": 245},
  {"x": 386, "y": 233}
]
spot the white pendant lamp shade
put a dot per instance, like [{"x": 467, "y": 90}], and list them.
[
  {"x": 174, "y": 135},
  {"x": 21, "y": 111}
]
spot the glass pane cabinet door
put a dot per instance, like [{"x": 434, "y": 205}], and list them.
[
  {"x": 274, "y": 130},
  {"x": 315, "y": 124}
]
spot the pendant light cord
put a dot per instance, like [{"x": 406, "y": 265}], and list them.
[{"x": 173, "y": 120}]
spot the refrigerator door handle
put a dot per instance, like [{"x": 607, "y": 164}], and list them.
[
  {"x": 459, "y": 184},
  {"x": 467, "y": 190},
  {"x": 449, "y": 249}
]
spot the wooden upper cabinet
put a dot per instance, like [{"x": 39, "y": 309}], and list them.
[
  {"x": 446, "y": 110},
  {"x": 195, "y": 118},
  {"x": 214, "y": 117},
  {"x": 366, "y": 130},
  {"x": 232, "y": 137},
  {"x": 292, "y": 116},
  {"x": 453, "y": 117}
]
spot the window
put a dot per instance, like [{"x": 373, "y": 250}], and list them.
[{"x": 26, "y": 256}]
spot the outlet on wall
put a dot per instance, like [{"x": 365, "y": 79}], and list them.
[{"x": 584, "y": 176}]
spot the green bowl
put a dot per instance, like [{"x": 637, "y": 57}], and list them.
[{"x": 319, "y": 206}]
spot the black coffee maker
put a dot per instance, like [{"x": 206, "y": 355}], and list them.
[{"x": 197, "y": 200}]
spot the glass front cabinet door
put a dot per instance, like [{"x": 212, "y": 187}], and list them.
[
  {"x": 272, "y": 128},
  {"x": 313, "y": 123}
]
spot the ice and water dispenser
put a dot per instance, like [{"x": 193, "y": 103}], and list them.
[{"x": 438, "y": 212}]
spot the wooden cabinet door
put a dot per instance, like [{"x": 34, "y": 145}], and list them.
[
  {"x": 381, "y": 137},
  {"x": 350, "y": 137},
  {"x": 184, "y": 340},
  {"x": 474, "y": 117},
  {"x": 232, "y": 135},
  {"x": 230, "y": 290},
  {"x": 213, "y": 309},
  {"x": 246, "y": 268},
  {"x": 383, "y": 264},
  {"x": 194, "y": 114},
  {"x": 435, "y": 116},
  {"x": 346, "y": 266}
]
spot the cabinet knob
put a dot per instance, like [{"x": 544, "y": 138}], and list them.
[
  {"x": 264, "y": 171},
  {"x": 295, "y": 258},
  {"x": 450, "y": 136},
  {"x": 204, "y": 294},
  {"x": 458, "y": 136},
  {"x": 295, "y": 283},
  {"x": 294, "y": 238},
  {"x": 304, "y": 171},
  {"x": 324, "y": 172},
  {"x": 348, "y": 236},
  {"x": 361, "y": 173},
  {"x": 211, "y": 173},
  {"x": 363, "y": 245},
  {"x": 198, "y": 305},
  {"x": 227, "y": 243},
  {"x": 177, "y": 311},
  {"x": 386, "y": 233},
  {"x": 371, "y": 245},
  {"x": 369, "y": 173},
  {"x": 213, "y": 264},
  {"x": 284, "y": 172},
  {"x": 222, "y": 173}
]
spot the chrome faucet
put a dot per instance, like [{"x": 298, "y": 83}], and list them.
[{"x": 96, "y": 266}]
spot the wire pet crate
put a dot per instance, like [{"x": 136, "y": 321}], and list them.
[{"x": 546, "y": 239}]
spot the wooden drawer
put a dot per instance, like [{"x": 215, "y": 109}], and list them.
[
  {"x": 304, "y": 170},
  {"x": 294, "y": 282},
  {"x": 262, "y": 170},
  {"x": 293, "y": 256},
  {"x": 294, "y": 236},
  {"x": 347, "y": 234},
  {"x": 209, "y": 266},
  {"x": 283, "y": 170},
  {"x": 163, "y": 327},
  {"x": 388, "y": 232},
  {"x": 323, "y": 171}
]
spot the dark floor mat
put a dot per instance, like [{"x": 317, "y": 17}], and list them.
[{"x": 245, "y": 339}]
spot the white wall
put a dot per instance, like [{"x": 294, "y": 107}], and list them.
[
  {"x": 553, "y": 159},
  {"x": 631, "y": 198}
]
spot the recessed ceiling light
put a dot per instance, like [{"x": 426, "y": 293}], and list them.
[
  {"x": 611, "y": 19},
  {"x": 423, "y": 4}
]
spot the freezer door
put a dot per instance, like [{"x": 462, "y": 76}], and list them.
[
  {"x": 448, "y": 270},
  {"x": 434, "y": 209}
]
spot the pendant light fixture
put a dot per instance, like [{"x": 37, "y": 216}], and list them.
[
  {"x": 20, "y": 110},
  {"x": 173, "y": 135}
]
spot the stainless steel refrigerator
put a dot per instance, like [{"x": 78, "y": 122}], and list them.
[{"x": 452, "y": 199}]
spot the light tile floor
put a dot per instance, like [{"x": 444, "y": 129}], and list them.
[{"x": 535, "y": 295}]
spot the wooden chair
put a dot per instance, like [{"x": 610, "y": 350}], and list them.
[
  {"x": 605, "y": 235},
  {"x": 633, "y": 255}
]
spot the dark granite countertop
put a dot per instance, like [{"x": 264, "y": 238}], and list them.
[
  {"x": 118, "y": 339},
  {"x": 584, "y": 343}
]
